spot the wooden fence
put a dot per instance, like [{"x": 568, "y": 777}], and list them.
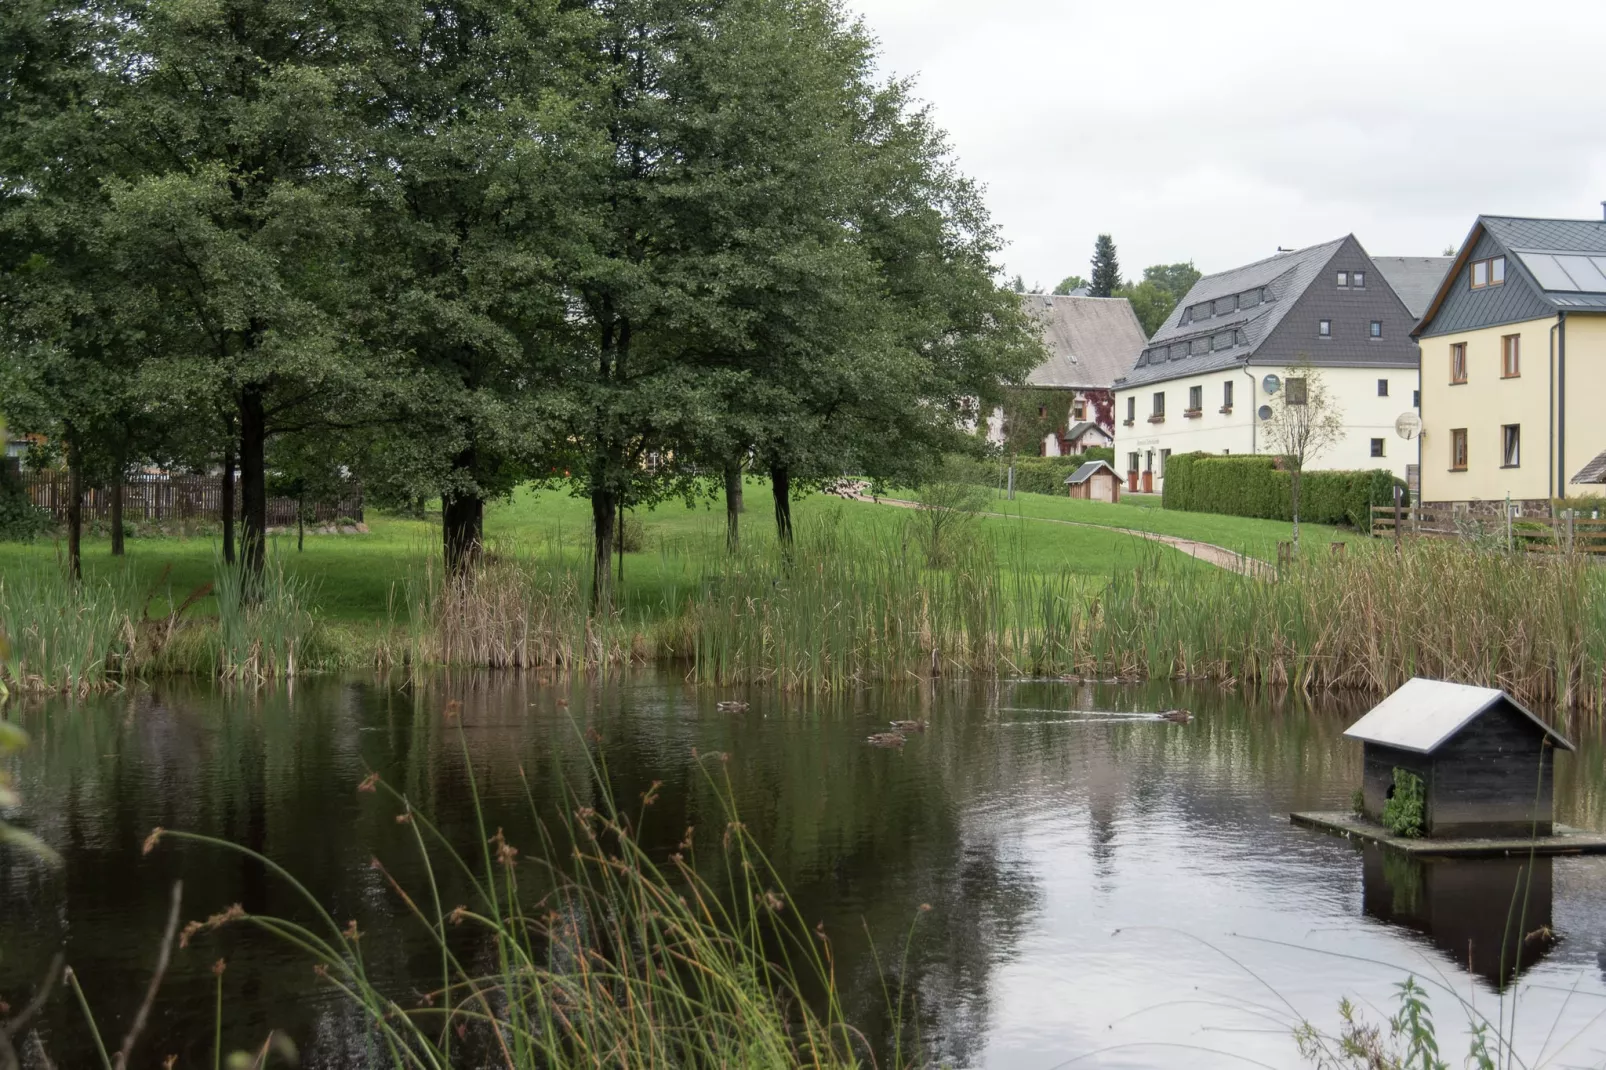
[
  {"x": 1571, "y": 531},
  {"x": 158, "y": 499}
]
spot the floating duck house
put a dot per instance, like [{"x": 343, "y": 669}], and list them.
[{"x": 1485, "y": 761}]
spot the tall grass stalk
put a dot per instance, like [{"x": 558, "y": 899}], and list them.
[{"x": 619, "y": 960}]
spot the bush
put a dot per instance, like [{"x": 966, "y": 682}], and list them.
[
  {"x": 1403, "y": 814},
  {"x": 20, "y": 519},
  {"x": 1257, "y": 487},
  {"x": 1046, "y": 475}
]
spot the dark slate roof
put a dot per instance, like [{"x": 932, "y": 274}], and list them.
[
  {"x": 1084, "y": 427},
  {"x": 1414, "y": 279},
  {"x": 1517, "y": 235},
  {"x": 1593, "y": 472},
  {"x": 1087, "y": 471},
  {"x": 1090, "y": 340},
  {"x": 1284, "y": 277}
]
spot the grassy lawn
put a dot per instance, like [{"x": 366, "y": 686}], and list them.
[
  {"x": 356, "y": 577},
  {"x": 1257, "y": 538}
]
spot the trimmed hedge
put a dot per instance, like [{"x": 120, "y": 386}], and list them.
[
  {"x": 1046, "y": 475},
  {"x": 1257, "y": 487}
]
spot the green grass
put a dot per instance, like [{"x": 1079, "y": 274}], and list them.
[
  {"x": 353, "y": 577},
  {"x": 1257, "y": 538}
]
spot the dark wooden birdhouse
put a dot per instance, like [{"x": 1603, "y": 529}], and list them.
[{"x": 1485, "y": 761}]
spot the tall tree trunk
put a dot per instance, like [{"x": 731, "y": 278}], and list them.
[
  {"x": 463, "y": 516},
  {"x": 1298, "y": 474},
  {"x": 462, "y": 530},
  {"x": 620, "y": 540},
  {"x": 781, "y": 484},
  {"x": 733, "y": 504},
  {"x": 603, "y": 514},
  {"x": 75, "y": 506},
  {"x": 228, "y": 499},
  {"x": 253, "y": 481},
  {"x": 117, "y": 510}
]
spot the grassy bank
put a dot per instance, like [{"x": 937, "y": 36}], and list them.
[{"x": 856, "y": 600}]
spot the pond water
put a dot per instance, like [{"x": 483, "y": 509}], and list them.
[{"x": 1107, "y": 889}]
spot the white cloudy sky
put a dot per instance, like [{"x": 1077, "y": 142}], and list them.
[{"x": 1217, "y": 130}]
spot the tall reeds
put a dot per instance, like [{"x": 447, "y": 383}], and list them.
[
  {"x": 841, "y": 609},
  {"x": 587, "y": 951},
  {"x": 265, "y": 628},
  {"x": 65, "y": 635}
]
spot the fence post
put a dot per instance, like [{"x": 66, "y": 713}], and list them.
[
  {"x": 1396, "y": 520},
  {"x": 1011, "y": 480},
  {"x": 1508, "y": 524},
  {"x": 1570, "y": 514}
]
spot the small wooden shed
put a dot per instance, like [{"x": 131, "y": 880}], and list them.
[
  {"x": 1095, "y": 481},
  {"x": 1485, "y": 760}
]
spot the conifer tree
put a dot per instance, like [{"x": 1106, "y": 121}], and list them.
[{"x": 1106, "y": 268}]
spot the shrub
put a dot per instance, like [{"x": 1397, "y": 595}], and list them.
[
  {"x": 1256, "y": 486},
  {"x": 1403, "y": 813},
  {"x": 20, "y": 519},
  {"x": 1046, "y": 475}
]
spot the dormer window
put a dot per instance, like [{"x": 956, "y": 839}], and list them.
[
  {"x": 1226, "y": 305},
  {"x": 1249, "y": 299}
]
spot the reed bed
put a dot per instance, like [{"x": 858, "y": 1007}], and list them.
[
  {"x": 1533, "y": 625},
  {"x": 512, "y": 612},
  {"x": 64, "y": 635},
  {"x": 842, "y": 609}
]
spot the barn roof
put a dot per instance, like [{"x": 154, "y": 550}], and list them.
[
  {"x": 1423, "y": 714},
  {"x": 1090, "y": 340},
  {"x": 1088, "y": 471}
]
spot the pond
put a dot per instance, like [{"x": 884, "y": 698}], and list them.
[{"x": 1106, "y": 888}]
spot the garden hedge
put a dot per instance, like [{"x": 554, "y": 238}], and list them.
[
  {"x": 1046, "y": 475},
  {"x": 1258, "y": 487}
]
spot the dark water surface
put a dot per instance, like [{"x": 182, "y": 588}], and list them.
[{"x": 1100, "y": 881}]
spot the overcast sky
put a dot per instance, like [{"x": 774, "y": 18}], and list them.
[{"x": 1217, "y": 131}]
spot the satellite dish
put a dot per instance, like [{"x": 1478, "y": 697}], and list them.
[
  {"x": 1408, "y": 426},
  {"x": 1265, "y": 412},
  {"x": 1271, "y": 384}
]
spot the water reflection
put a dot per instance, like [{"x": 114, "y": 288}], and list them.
[
  {"x": 1492, "y": 917},
  {"x": 1034, "y": 818}
]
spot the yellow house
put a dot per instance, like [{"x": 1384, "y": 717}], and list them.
[{"x": 1514, "y": 366}]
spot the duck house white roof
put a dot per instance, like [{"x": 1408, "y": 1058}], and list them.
[{"x": 1423, "y": 714}]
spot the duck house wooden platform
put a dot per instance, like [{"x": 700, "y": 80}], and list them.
[{"x": 1562, "y": 840}]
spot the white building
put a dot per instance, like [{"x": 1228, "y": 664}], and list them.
[{"x": 1200, "y": 383}]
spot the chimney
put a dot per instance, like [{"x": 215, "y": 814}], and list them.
[{"x": 1603, "y": 209}]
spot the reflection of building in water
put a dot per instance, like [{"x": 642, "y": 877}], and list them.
[{"x": 1471, "y": 909}]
